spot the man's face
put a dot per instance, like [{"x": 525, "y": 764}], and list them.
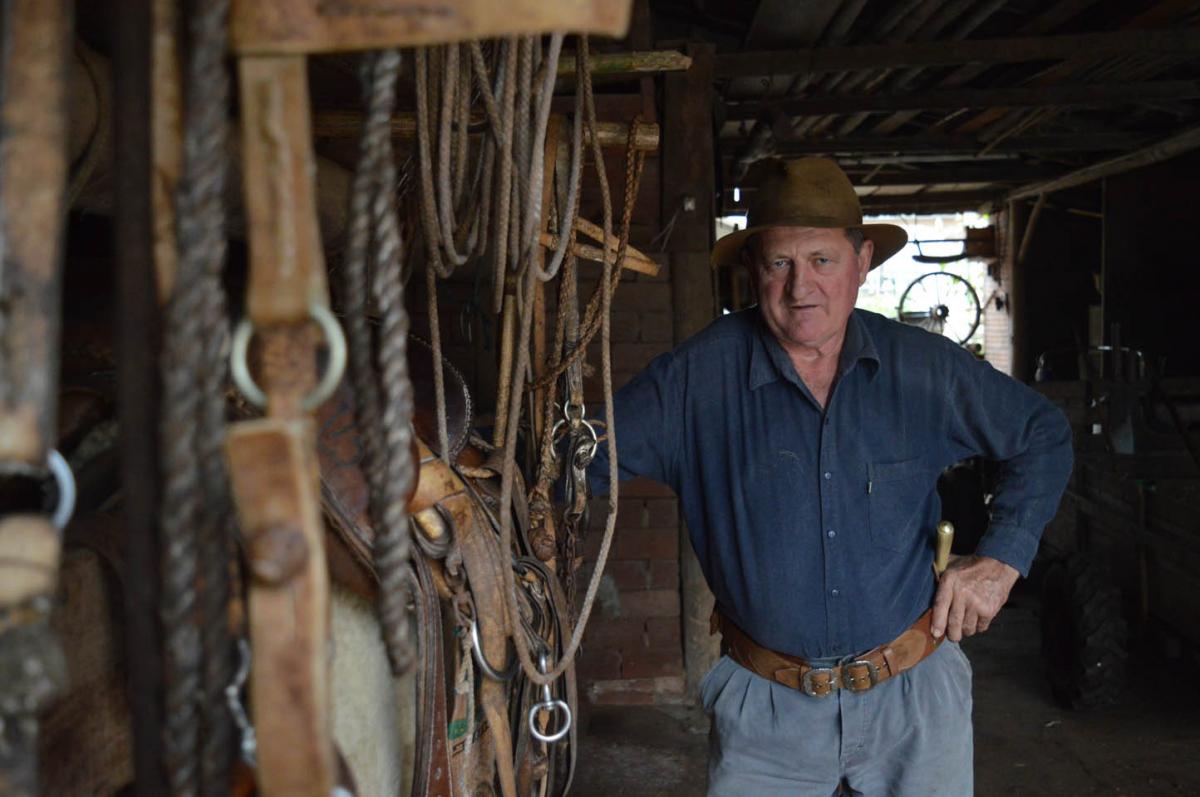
[{"x": 807, "y": 281}]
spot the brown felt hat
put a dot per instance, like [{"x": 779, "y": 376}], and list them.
[{"x": 809, "y": 192}]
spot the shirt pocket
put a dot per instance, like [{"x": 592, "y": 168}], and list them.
[{"x": 895, "y": 495}]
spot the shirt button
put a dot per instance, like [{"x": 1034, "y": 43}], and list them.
[
  {"x": 833, "y": 592},
  {"x": 831, "y": 534},
  {"x": 828, "y": 475}
]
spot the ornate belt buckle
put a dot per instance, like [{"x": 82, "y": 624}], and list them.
[
  {"x": 855, "y": 683},
  {"x": 824, "y": 689}
]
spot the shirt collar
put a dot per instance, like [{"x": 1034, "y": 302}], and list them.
[{"x": 769, "y": 362}]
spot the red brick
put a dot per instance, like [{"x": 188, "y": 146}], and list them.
[
  {"x": 649, "y": 603},
  {"x": 662, "y": 513},
  {"x": 652, "y": 664},
  {"x": 600, "y": 664},
  {"x": 656, "y": 328},
  {"x": 615, "y": 633},
  {"x": 631, "y": 514},
  {"x": 623, "y": 698},
  {"x": 645, "y": 488},
  {"x": 647, "y": 544},
  {"x": 664, "y": 574},
  {"x": 635, "y": 356},
  {"x": 645, "y": 296},
  {"x": 630, "y": 575},
  {"x": 664, "y": 633}
]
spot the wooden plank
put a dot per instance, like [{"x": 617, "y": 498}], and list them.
[
  {"x": 1155, "y": 153},
  {"x": 33, "y": 175},
  {"x": 1057, "y": 95},
  {"x": 688, "y": 186},
  {"x": 348, "y": 124},
  {"x": 166, "y": 120},
  {"x": 637, "y": 62},
  {"x": 1181, "y": 41},
  {"x": 324, "y": 26},
  {"x": 277, "y": 494},
  {"x": 288, "y": 268},
  {"x": 948, "y": 144},
  {"x": 926, "y": 202}
]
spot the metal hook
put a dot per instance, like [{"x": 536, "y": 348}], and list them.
[
  {"x": 550, "y": 704},
  {"x": 482, "y": 661},
  {"x": 65, "y": 479}
]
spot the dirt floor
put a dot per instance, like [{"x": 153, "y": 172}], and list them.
[{"x": 1025, "y": 744}]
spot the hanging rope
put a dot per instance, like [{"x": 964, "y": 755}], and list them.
[
  {"x": 384, "y": 403},
  {"x": 196, "y": 512}
]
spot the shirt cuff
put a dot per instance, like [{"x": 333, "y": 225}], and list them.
[{"x": 1016, "y": 546}]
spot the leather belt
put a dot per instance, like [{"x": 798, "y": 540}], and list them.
[{"x": 859, "y": 675}]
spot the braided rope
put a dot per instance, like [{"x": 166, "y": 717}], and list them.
[
  {"x": 193, "y": 397},
  {"x": 385, "y": 403}
]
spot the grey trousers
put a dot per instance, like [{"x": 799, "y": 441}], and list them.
[{"x": 910, "y": 736}]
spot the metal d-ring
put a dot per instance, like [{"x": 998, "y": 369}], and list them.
[
  {"x": 334, "y": 339},
  {"x": 550, "y": 704},
  {"x": 482, "y": 661},
  {"x": 65, "y": 479}
]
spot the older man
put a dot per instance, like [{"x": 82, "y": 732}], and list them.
[{"x": 804, "y": 439}]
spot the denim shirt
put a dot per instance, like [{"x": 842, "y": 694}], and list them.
[{"x": 816, "y": 528}]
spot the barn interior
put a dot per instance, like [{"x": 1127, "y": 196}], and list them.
[{"x": 183, "y": 180}]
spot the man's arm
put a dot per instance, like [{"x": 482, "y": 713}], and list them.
[
  {"x": 994, "y": 416},
  {"x": 649, "y": 414}
]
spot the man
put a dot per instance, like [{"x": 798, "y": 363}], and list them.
[{"x": 804, "y": 439}]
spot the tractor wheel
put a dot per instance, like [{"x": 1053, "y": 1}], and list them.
[{"x": 1084, "y": 636}]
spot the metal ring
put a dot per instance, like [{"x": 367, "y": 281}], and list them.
[
  {"x": 65, "y": 479},
  {"x": 483, "y": 662},
  {"x": 551, "y": 706},
  {"x": 335, "y": 339},
  {"x": 548, "y": 704}
]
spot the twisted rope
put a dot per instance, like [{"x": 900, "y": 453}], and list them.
[{"x": 196, "y": 513}]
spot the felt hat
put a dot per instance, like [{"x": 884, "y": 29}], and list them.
[{"x": 809, "y": 192}]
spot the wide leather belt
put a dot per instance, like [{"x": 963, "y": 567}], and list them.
[{"x": 858, "y": 675}]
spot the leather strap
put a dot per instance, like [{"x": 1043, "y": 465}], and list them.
[
  {"x": 433, "y": 751},
  {"x": 871, "y": 668}
]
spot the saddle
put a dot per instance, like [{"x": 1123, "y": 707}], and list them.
[{"x": 472, "y": 705}]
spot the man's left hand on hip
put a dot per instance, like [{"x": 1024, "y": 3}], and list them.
[{"x": 970, "y": 594}]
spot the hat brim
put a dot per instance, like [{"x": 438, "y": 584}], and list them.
[{"x": 888, "y": 239}]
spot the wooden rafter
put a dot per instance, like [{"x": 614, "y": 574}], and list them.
[{"x": 1181, "y": 41}]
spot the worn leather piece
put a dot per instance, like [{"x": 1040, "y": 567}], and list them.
[
  {"x": 902, "y": 653},
  {"x": 432, "y": 769}
]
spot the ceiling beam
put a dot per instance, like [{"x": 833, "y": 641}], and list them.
[
  {"x": 1181, "y": 41},
  {"x": 941, "y": 145},
  {"x": 1155, "y": 153},
  {"x": 993, "y": 172},
  {"x": 953, "y": 99},
  {"x": 926, "y": 202}
]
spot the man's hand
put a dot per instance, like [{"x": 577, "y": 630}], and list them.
[{"x": 970, "y": 593}]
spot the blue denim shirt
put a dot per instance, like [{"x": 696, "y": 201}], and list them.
[{"x": 815, "y": 528}]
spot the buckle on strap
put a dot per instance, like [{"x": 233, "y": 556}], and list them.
[
  {"x": 824, "y": 687},
  {"x": 859, "y": 682}
]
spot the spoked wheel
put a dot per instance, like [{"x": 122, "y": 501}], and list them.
[{"x": 943, "y": 303}]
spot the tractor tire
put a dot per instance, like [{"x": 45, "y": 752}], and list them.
[{"x": 1084, "y": 635}]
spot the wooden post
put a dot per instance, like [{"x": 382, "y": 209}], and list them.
[{"x": 688, "y": 186}]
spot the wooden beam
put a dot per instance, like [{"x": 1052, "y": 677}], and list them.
[
  {"x": 953, "y": 99},
  {"x": 926, "y": 202},
  {"x": 638, "y": 62},
  {"x": 945, "y": 145},
  {"x": 1180, "y": 41},
  {"x": 1155, "y": 153},
  {"x": 348, "y": 124},
  {"x": 987, "y": 172}
]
